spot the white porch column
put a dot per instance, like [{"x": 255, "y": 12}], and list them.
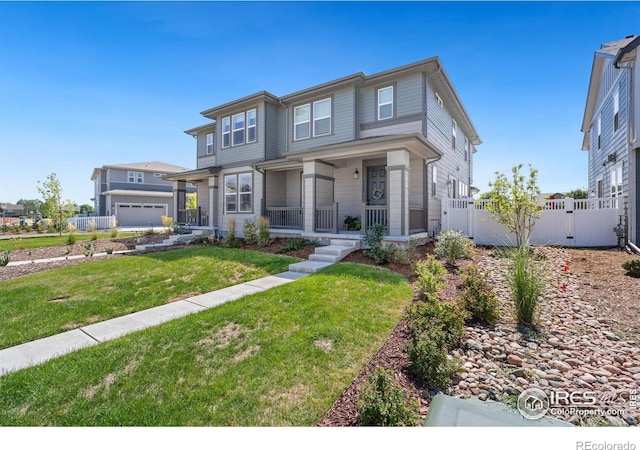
[
  {"x": 398, "y": 163},
  {"x": 212, "y": 220},
  {"x": 309, "y": 170}
]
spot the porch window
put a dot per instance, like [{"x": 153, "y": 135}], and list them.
[
  {"x": 616, "y": 180},
  {"x": 302, "y": 122},
  {"x": 322, "y": 117},
  {"x": 251, "y": 125},
  {"x": 238, "y": 193},
  {"x": 226, "y": 132},
  {"x": 385, "y": 103},
  {"x": 209, "y": 143},
  {"x": 238, "y": 129}
]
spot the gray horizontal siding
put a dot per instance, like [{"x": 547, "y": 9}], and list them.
[
  {"x": 407, "y": 98},
  {"x": 141, "y": 187},
  {"x": 119, "y": 177},
  {"x": 246, "y": 152},
  {"x": 271, "y": 126}
]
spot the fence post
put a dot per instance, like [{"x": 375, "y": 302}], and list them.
[
  {"x": 335, "y": 220},
  {"x": 470, "y": 219}
]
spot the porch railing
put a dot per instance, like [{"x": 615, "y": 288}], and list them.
[
  {"x": 375, "y": 215},
  {"x": 416, "y": 219},
  {"x": 326, "y": 219},
  {"x": 285, "y": 217},
  {"x": 97, "y": 222},
  {"x": 188, "y": 216}
]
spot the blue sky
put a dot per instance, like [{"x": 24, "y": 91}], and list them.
[{"x": 88, "y": 84}]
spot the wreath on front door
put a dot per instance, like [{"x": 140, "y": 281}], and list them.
[{"x": 377, "y": 193}]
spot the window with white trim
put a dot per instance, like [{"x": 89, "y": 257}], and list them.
[
  {"x": 135, "y": 177},
  {"x": 238, "y": 193},
  {"x": 463, "y": 189},
  {"x": 226, "y": 132},
  {"x": 439, "y": 100},
  {"x": 209, "y": 140},
  {"x": 237, "y": 122},
  {"x": 616, "y": 180},
  {"x": 454, "y": 132},
  {"x": 322, "y": 117},
  {"x": 251, "y": 125},
  {"x": 385, "y": 103},
  {"x": 302, "y": 122},
  {"x": 616, "y": 109},
  {"x": 466, "y": 148},
  {"x": 434, "y": 181},
  {"x": 599, "y": 130}
]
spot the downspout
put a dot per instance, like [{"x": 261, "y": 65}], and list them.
[
  {"x": 431, "y": 161},
  {"x": 426, "y": 204}
]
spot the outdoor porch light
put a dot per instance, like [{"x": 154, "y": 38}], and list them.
[{"x": 356, "y": 174}]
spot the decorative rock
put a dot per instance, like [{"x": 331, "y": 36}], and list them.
[
  {"x": 588, "y": 378},
  {"x": 561, "y": 366},
  {"x": 611, "y": 336},
  {"x": 514, "y": 360},
  {"x": 630, "y": 420}
]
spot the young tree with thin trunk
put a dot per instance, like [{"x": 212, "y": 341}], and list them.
[
  {"x": 53, "y": 206},
  {"x": 514, "y": 202}
]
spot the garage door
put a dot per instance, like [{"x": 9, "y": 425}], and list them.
[{"x": 137, "y": 215}]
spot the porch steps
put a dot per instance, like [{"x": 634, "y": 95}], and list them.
[
  {"x": 326, "y": 256},
  {"x": 175, "y": 239}
]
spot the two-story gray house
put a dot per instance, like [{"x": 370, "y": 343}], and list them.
[
  {"x": 136, "y": 194},
  {"x": 385, "y": 148},
  {"x": 611, "y": 126}
]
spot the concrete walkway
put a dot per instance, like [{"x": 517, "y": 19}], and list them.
[{"x": 39, "y": 351}]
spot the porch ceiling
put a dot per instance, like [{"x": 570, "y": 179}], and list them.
[
  {"x": 414, "y": 143},
  {"x": 193, "y": 175}
]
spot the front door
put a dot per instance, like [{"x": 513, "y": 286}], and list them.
[{"x": 377, "y": 185}]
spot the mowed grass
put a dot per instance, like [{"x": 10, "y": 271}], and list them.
[
  {"x": 59, "y": 300},
  {"x": 277, "y": 358},
  {"x": 24, "y": 242}
]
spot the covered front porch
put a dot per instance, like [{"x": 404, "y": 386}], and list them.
[
  {"x": 205, "y": 181},
  {"x": 345, "y": 189}
]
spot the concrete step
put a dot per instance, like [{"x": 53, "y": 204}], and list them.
[
  {"x": 308, "y": 266},
  {"x": 351, "y": 243},
  {"x": 324, "y": 258},
  {"x": 334, "y": 250}
]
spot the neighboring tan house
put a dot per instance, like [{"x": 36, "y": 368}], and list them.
[
  {"x": 611, "y": 126},
  {"x": 13, "y": 210},
  {"x": 386, "y": 148},
  {"x": 137, "y": 194}
]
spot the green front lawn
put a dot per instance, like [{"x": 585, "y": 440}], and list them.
[
  {"x": 58, "y": 300},
  {"x": 23, "y": 242},
  {"x": 280, "y": 357}
]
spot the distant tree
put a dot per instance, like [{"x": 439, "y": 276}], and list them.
[
  {"x": 53, "y": 206},
  {"x": 192, "y": 201},
  {"x": 86, "y": 209},
  {"x": 34, "y": 206},
  {"x": 578, "y": 194},
  {"x": 486, "y": 195},
  {"x": 514, "y": 202}
]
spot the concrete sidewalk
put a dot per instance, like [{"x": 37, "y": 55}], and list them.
[{"x": 37, "y": 352}]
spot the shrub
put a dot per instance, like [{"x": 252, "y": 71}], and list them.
[
  {"x": 431, "y": 276},
  {"x": 632, "y": 266},
  {"x": 352, "y": 223},
  {"x": 405, "y": 255},
  {"x": 264, "y": 239},
  {"x": 429, "y": 359},
  {"x": 295, "y": 244},
  {"x": 453, "y": 245},
  {"x": 71, "y": 239},
  {"x": 379, "y": 252},
  {"x": 384, "y": 403},
  {"x": 108, "y": 250},
  {"x": 113, "y": 224},
  {"x": 436, "y": 316},
  {"x": 478, "y": 298},
  {"x": 167, "y": 221},
  {"x": 526, "y": 285},
  {"x": 230, "y": 240},
  {"x": 250, "y": 232},
  {"x": 4, "y": 258},
  {"x": 88, "y": 250}
]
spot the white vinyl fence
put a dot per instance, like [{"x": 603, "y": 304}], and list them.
[
  {"x": 100, "y": 222},
  {"x": 564, "y": 222}
]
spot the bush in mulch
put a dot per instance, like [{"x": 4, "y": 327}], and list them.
[{"x": 384, "y": 403}]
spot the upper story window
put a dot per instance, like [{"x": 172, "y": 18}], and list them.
[
  {"x": 209, "y": 143},
  {"x": 239, "y": 129},
  {"x": 599, "y": 130},
  {"x": 226, "y": 132},
  {"x": 385, "y": 103},
  {"x": 318, "y": 113},
  {"x": 135, "y": 177},
  {"x": 454, "y": 133},
  {"x": 616, "y": 110},
  {"x": 434, "y": 181},
  {"x": 466, "y": 148}
]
